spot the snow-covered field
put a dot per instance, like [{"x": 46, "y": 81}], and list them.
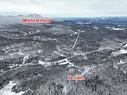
[{"x": 7, "y": 89}]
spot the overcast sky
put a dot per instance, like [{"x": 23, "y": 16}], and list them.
[{"x": 77, "y": 8}]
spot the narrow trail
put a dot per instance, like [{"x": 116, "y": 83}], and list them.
[{"x": 75, "y": 42}]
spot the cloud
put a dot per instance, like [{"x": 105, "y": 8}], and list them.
[{"x": 66, "y": 7}]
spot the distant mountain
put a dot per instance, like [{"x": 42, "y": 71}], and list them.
[{"x": 35, "y": 15}]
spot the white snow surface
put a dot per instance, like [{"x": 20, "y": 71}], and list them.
[
  {"x": 45, "y": 64},
  {"x": 121, "y": 51},
  {"x": 114, "y": 28},
  {"x": 7, "y": 89}
]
